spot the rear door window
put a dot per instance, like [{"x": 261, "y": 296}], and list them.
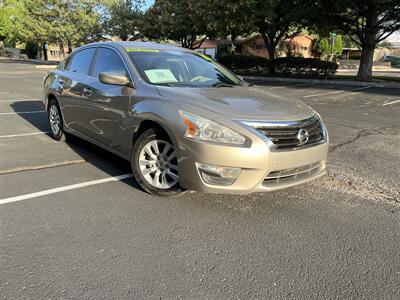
[{"x": 81, "y": 61}]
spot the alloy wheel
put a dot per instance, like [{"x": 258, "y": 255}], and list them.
[
  {"x": 55, "y": 120},
  {"x": 158, "y": 164}
]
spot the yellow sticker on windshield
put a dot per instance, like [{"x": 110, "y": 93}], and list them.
[
  {"x": 141, "y": 50},
  {"x": 206, "y": 57}
]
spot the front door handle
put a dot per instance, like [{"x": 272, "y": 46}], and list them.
[{"x": 87, "y": 92}]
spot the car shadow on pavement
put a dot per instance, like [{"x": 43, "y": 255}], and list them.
[
  {"x": 96, "y": 156},
  {"x": 32, "y": 112}
]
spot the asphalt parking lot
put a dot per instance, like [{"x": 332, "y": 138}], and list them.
[{"x": 71, "y": 227}]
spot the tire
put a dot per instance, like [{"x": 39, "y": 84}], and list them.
[
  {"x": 55, "y": 120},
  {"x": 154, "y": 163}
]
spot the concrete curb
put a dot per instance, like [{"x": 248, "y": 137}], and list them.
[
  {"x": 260, "y": 79},
  {"x": 45, "y": 67},
  {"x": 29, "y": 61}
]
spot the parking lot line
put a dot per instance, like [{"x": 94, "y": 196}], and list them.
[
  {"x": 390, "y": 103},
  {"x": 18, "y": 100},
  {"x": 290, "y": 86},
  {"x": 45, "y": 166},
  {"x": 337, "y": 92},
  {"x": 24, "y": 134},
  {"x": 64, "y": 188},
  {"x": 22, "y": 112}
]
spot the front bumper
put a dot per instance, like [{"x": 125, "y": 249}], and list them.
[{"x": 261, "y": 169}]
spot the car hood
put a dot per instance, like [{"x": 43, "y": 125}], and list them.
[{"x": 240, "y": 102}]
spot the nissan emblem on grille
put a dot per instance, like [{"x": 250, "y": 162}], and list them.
[
  {"x": 302, "y": 136},
  {"x": 292, "y": 135}
]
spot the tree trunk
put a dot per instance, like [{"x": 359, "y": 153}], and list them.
[
  {"x": 2, "y": 47},
  {"x": 44, "y": 51},
  {"x": 366, "y": 63},
  {"x": 271, "y": 51},
  {"x": 62, "y": 53},
  {"x": 271, "y": 46},
  {"x": 69, "y": 46},
  {"x": 368, "y": 44}
]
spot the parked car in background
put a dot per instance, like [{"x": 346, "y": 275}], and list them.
[
  {"x": 393, "y": 59},
  {"x": 183, "y": 121}
]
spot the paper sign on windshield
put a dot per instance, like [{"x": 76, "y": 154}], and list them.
[{"x": 160, "y": 76}]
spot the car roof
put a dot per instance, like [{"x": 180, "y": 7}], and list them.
[{"x": 145, "y": 45}]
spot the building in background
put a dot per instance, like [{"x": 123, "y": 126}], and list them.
[{"x": 301, "y": 45}]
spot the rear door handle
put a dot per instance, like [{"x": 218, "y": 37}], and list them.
[{"x": 87, "y": 92}]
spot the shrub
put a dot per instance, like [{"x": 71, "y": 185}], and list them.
[
  {"x": 240, "y": 63},
  {"x": 304, "y": 67},
  {"x": 286, "y": 66}
]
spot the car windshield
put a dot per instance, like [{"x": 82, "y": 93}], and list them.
[{"x": 180, "y": 68}]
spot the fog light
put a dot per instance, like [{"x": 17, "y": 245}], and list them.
[{"x": 217, "y": 175}]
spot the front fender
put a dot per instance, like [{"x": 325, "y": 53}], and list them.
[{"x": 166, "y": 115}]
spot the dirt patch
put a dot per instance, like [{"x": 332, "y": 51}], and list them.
[{"x": 348, "y": 182}]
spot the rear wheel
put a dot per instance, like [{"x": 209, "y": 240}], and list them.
[
  {"x": 154, "y": 163},
  {"x": 55, "y": 121}
]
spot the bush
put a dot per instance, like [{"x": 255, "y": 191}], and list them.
[
  {"x": 286, "y": 66},
  {"x": 304, "y": 67},
  {"x": 245, "y": 63}
]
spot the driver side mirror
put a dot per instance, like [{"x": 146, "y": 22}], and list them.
[{"x": 114, "y": 79}]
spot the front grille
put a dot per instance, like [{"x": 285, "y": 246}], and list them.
[
  {"x": 285, "y": 135},
  {"x": 288, "y": 176}
]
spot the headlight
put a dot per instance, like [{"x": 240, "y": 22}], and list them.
[
  {"x": 202, "y": 129},
  {"x": 323, "y": 126}
]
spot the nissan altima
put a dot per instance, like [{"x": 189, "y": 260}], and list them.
[{"x": 183, "y": 121}]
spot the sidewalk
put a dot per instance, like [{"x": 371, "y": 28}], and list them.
[
  {"x": 29, "y": 61},
  {"x": 341, "y": 82}
]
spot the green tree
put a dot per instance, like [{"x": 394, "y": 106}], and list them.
[
  {"x": 229, "y": 18},
  {"x": 277, "y": 20},
  {"x": 3, "y": 21},
  {"x": 3, "y": 25},
  {"x": 365, "y": 22},
  {"x": 322, "y": 46},
  {"x": 181, "y": 21},
  {"x": 65, "y": 22},
  {"x": 338, "y": 47},
  {"x": 75, "y": 22},
  {"x": 326, "y": 47},
  {"x": 123, "y": 18},
  {"x": 23, "y": 26}
]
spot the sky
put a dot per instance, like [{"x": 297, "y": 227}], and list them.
[{"x": 148, "y": 3}]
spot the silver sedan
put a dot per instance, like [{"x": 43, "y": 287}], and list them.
[{"x": 183, "y": 121}]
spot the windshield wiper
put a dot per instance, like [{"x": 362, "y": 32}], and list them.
[{"x": 222, "y": 85}]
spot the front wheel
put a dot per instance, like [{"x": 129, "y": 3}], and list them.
[{"x": 155, "y": 164}]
